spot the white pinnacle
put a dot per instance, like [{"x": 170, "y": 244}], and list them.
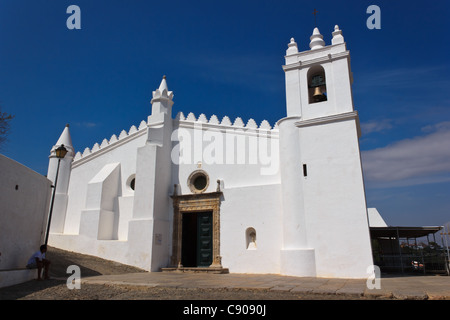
[
  {"x": 316, "y": 40},
  {"x": 292, "y": 47},
  {"x": 163, "y": 85},
  {"x": 337, "y": 36},
  {"x": 66, "y": 140}
]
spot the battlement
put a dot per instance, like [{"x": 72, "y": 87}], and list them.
[
  {"x": 114, "y": 140},
  {"x": 225, "y": 122},
  {"x": 191, "y": 119}
]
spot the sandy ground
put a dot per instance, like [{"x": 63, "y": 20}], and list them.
[{"x": 56, "y": 288}]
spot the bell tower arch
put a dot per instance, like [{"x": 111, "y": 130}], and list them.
[{"x": 317, "y": 87}]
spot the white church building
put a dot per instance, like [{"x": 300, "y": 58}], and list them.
[{"x": 220, "y": 195}]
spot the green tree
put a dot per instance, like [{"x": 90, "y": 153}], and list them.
[{"x": 5, "y": 126}]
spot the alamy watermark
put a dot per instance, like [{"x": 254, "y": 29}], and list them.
[
  {"x": 374, "y": 279},
  {"x": 74, "y": 20},
  {"x": 231, "y": 146},
  {"x": 74, "y": 280},
  {"x": 374, "y": 21}
]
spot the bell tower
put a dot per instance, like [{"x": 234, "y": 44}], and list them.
[
  {"x": 325, "y": 225},
  {"x": 318, "y": 81}
]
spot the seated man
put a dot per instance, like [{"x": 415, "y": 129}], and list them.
[{"x": 39, "y": 261}]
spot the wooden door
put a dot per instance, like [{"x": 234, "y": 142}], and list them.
[{"x": 204, "y": 239}]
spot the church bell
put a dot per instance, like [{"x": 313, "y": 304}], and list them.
[
  {"x": 317, "y": 83},
  {"x": 317, "y": 94}
]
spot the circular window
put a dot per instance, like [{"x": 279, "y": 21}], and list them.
[
  {"x": 198, "y": 181},
  {"x": 131, "y": 182}
]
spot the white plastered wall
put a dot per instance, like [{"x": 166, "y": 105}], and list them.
[
  {"x": 248, "y": 171},
  {"x": 86, "y": 169},
  {"x": 24, "y": 206},
  {"x": 256, "y": 207},
  {"x": 335, "y": 201},
  {"x": 129, "y": 246}
]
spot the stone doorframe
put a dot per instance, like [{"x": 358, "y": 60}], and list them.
[{"x": 184, "y": 204}]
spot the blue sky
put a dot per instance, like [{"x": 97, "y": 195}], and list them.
[{"x": 225, "y": 58}]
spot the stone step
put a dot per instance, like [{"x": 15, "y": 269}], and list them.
[{"x": 197, "y": 270}]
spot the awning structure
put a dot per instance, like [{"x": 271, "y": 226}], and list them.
[
  {"x": 402, "y": 232},
  {"x": 393, "y": 252}
]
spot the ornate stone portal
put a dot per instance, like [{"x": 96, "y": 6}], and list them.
[{"x": 185, "y": 204}]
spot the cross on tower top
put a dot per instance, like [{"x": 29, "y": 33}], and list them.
[{"x": 315, "y": 17}]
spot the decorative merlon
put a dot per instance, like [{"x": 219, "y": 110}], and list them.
[
  {"x": 226, "y": 121},
  {"x": 202, "y": 118},
  {"x": 238, "y": 122},
  {"x": 214, "y": 119}
]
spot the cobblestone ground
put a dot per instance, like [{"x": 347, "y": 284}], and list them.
[{"x": 56, "y": 288}]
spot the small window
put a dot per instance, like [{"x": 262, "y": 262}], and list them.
[
  {"x": 131, "y": 182},
  {"x": 250, "y": 237},
  {"x": 198, "y": 181}
]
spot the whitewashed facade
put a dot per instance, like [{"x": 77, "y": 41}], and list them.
[{"x": 211, "y": 193}]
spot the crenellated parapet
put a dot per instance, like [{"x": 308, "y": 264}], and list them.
[
  {"x": 113, "y": 141},
  {"x": 189, "y": 120},
  {"x": 213, "y": 121}
]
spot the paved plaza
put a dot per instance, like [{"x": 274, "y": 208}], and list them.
[{"x": 398, "y": 287}]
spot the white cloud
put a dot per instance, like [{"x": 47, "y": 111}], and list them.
[
  {"x": 423, "y": 159},
  {"x": 376, "y": 126},
  {"x": 441, "y": 126}
]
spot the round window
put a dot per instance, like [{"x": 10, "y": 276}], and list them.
[
  {"x": 198, "y": 181},
  {"x": 131, "y": 182}
]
